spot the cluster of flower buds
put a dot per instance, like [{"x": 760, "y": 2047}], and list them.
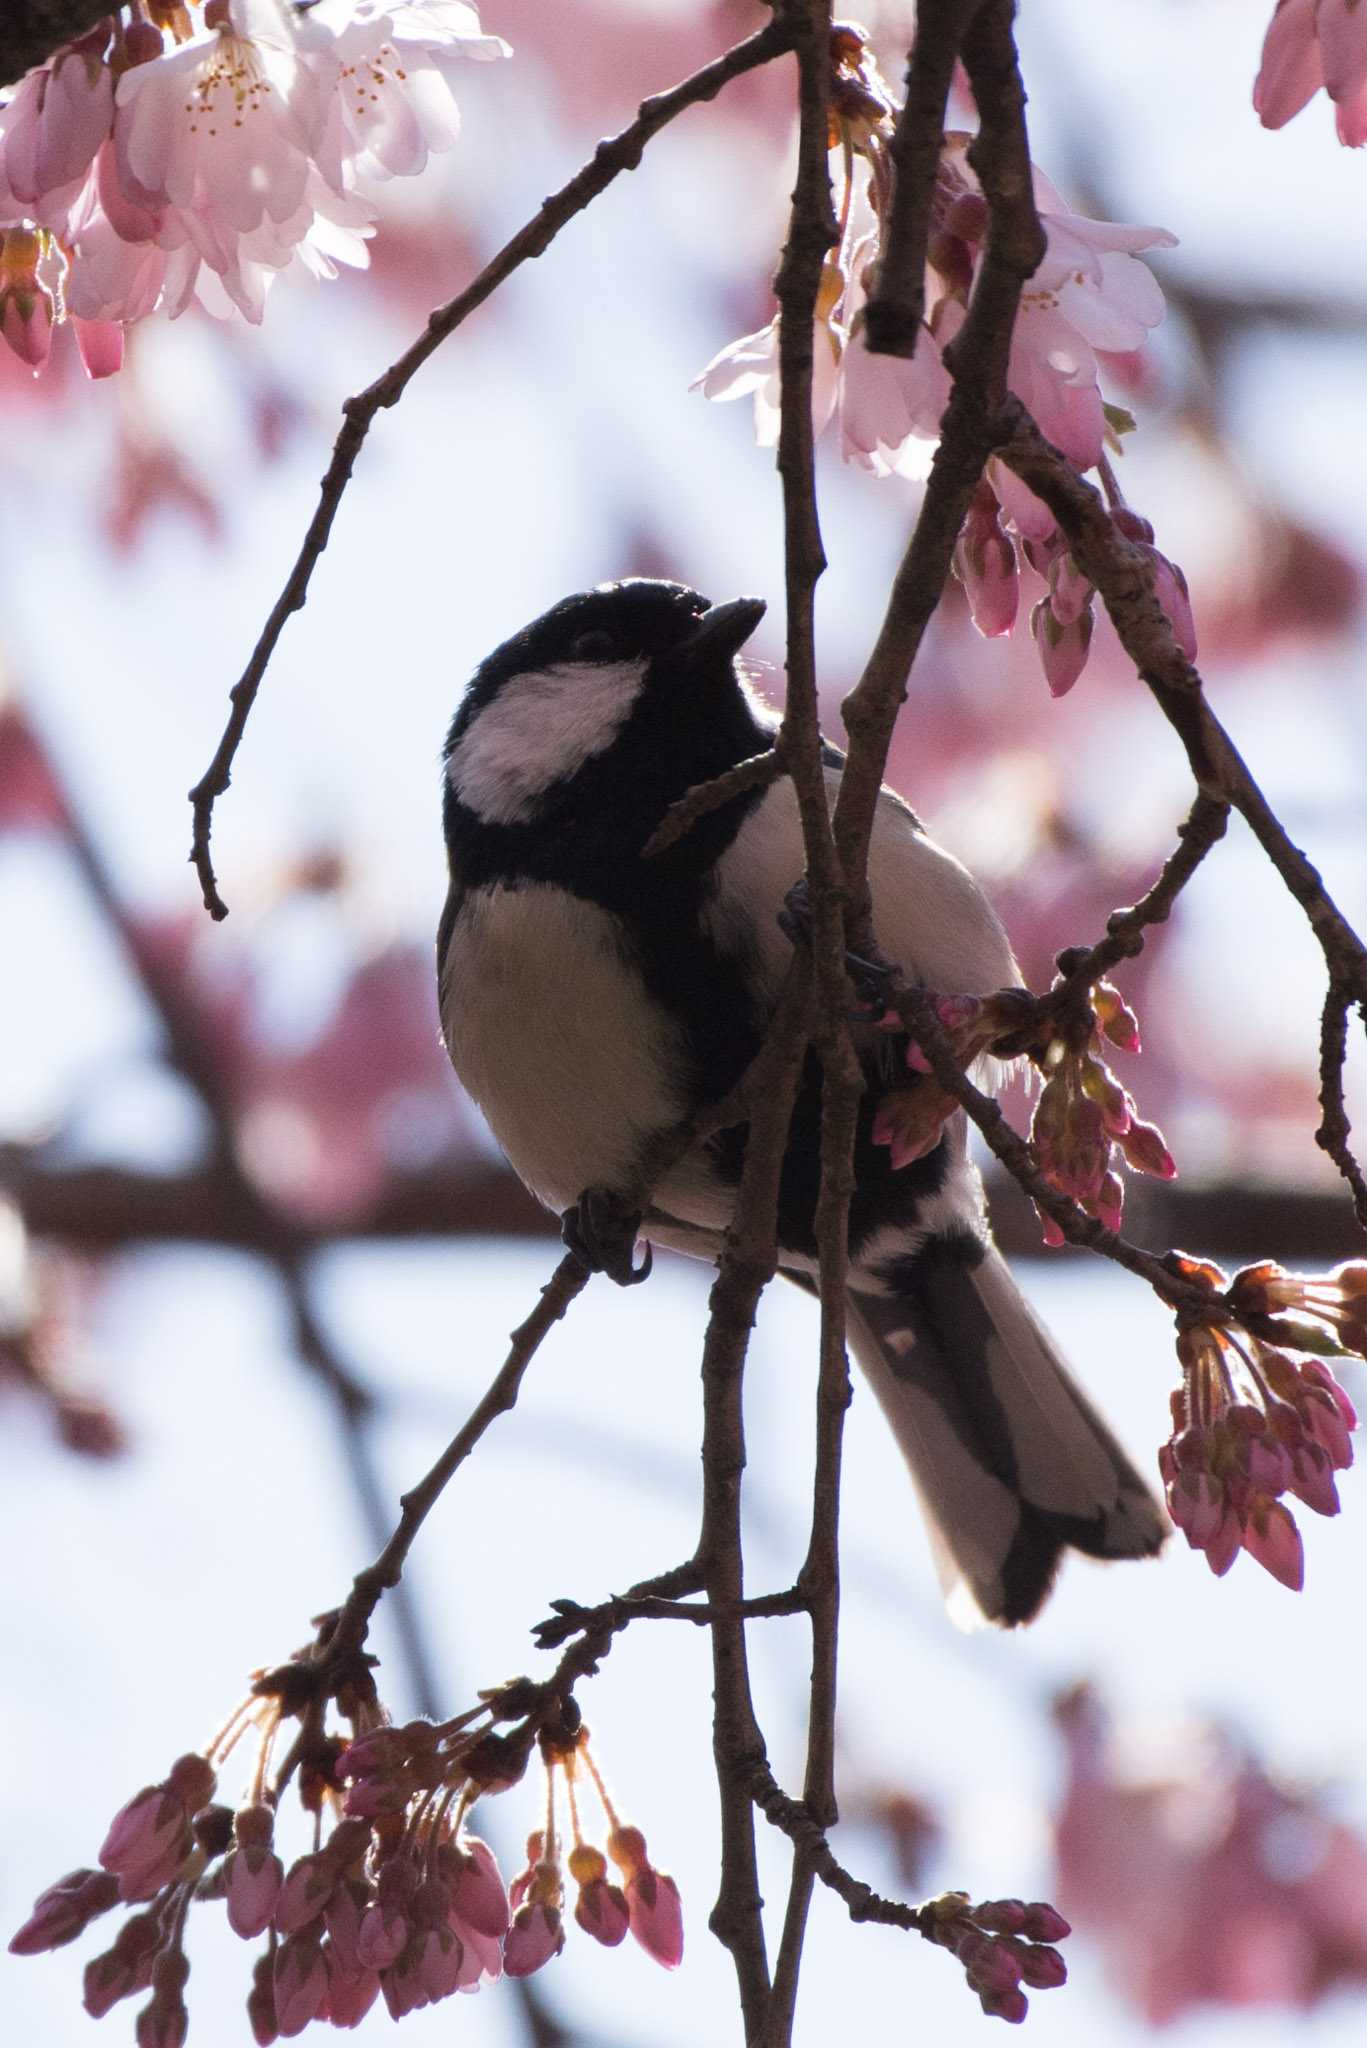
[
  {"x": 645, "y": 1903},
  {"x": 1005, "y": 523},
  {"x": 136, "y": 176},
  {"x": 1085, "y": 1123},
  {"x": 1252, "y": 1421},
  {"x": 396, "y": 1899},
  {"x": 1090, "y": 292},
  {"x": 1004, "y": 1945}
]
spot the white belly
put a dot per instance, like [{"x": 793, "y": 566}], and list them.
[{"x": 553, "y": 1033}]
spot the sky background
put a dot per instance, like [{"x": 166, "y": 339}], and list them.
[{"x": 553, "y": 444}]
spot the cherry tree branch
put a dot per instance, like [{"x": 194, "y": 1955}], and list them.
[
  {"x": 353, "y": 1620},
  {"x": 977, "y": 360},
  {"x": 811, "y": 234},
  {"x": 616, "y": 154},
  {"x": 896, "y": 305}
]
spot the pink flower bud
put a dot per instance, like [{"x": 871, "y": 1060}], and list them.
[
  {"x": 985, "y": 563},
  {"x": 656, "y": 1915},
  {"x": 1272, "y": 1539},
  {"x": 300, "y": 1983},
  {"x": 142, "y": 1834},
  {"x": 65, "y": 1910},
  {"x": 1000, "y": 1916},
  {"x": 1043, "y": 1969},
  {"x": 252, "y": 1879},
  {"x": 1223, "y": 1546},
  {"x": 108, "y": 1978},
  {"x": 440, "y": 1956},
  {"x": 261, "y": 2003},
  {"x": 308, "y": 1885},
  {"x": 478, "y": 1894},
  {"x": 382, "y": 1938},
  {"x": 536, "y": 1935},
  {"x": 1005, "y": 2005},
  {"x": 163, "y": 2025},
  {"x": 602, "y": 1911},
  {"x": 1063, "y": 649},
  {"x": 992, "y": 1963},
  {"x": 350, "y": 1994},
  {"x": 1069, "y": 590},
  {"x": 1143, "y": 1147}
]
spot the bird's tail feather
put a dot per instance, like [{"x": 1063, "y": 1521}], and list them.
[{"x": 1012, "y": 1462}]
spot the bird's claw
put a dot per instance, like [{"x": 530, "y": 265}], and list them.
[
  {"x": 600, "y": 1229},
  {"x": 868, "y": 978}
]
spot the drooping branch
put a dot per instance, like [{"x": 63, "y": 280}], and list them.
[{"x": 618, "y": 153}]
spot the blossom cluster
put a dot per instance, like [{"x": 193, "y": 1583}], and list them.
[
  {"x": 1252, "y": 1421},
  {"x": 1090, "y": 296},
  {"x": 1309, "y": 44},
  {"x": 1003, "y": 1945},
  {"x": 1085, "y": 1124},
  {"x": 137, "y": 177},
  {"x": 396, "y": 1899}
]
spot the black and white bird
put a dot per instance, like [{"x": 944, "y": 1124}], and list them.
[{"x": 592, "y": 999}]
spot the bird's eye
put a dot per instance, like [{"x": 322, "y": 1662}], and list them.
[{"x": 595, "y": 646}]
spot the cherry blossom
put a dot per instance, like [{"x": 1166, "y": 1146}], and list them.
[
  {"x": 1090, "y": 295},
  {"x": 148, "y": 177}
]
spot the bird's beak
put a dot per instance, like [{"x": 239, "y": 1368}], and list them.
[{"x": 722, "y": 630}]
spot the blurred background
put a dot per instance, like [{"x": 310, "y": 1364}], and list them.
[{"x": 257, "y": 1256}]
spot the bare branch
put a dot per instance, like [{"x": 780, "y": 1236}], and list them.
[
  {"x": 618, "y": 153},
  {"x": 1335, "y": 1129},
  {"x": 756, "y": 773},
  {"x": 353, "y": 1621}
]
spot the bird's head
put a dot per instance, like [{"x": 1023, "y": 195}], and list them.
[{"x": 626, "y": 694}]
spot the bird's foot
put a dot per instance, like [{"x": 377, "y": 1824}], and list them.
[
  {"x": 600, "y": 1229},
  {"x": 869, "y": 979}
]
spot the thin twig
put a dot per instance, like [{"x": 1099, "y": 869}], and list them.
[
  {"x": 622, "y": 1609},
  {"x": 792, "y": 1818},
  {"x": 705, "y": 797},
  {"x": 353, "y": 1621},
  {"x": 1124, "y": 577},
  {"x": 1200, "y": 830},
  {"x": 1335, "y": 1129},
  {"x": 617, "y": 154}
]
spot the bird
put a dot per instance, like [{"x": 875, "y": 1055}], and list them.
[{"x": 596, "y": 995}]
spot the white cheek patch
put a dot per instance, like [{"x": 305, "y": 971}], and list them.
[{"x": 537, "y": 731}]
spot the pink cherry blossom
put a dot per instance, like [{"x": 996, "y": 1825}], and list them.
[
  {"x": 225, "y": 127},
  {"x": 748, "y": 368},
  {"x": 51, "y": 129},
  {"x": 392, "y": 101}
]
